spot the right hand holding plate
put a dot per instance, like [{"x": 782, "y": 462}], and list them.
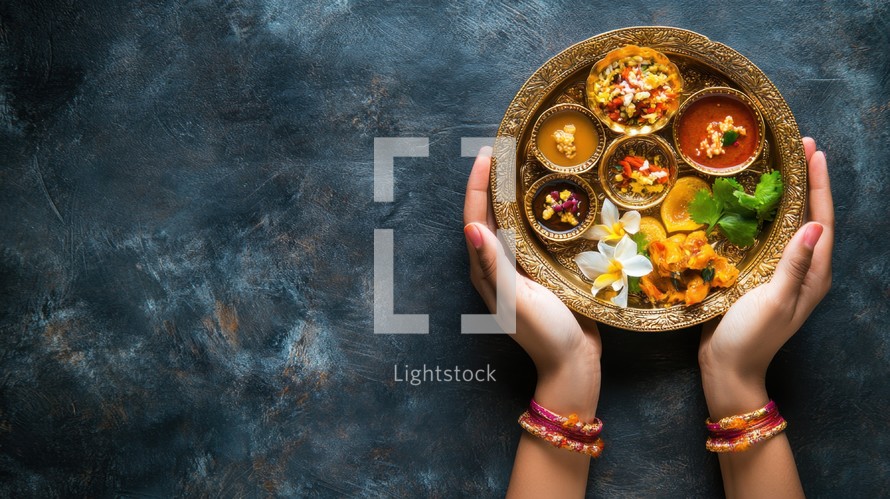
[{"x": 736, "y": 350}]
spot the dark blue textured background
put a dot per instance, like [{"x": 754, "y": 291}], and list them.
[{"x": 186, "y": 268}]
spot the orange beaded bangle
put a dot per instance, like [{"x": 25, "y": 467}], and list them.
[
  {"x": 563, "y": 432},
  {"x": 739, "y": 433}
]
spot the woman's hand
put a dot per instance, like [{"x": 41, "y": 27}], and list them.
[
  {"x": 565, "y": 349},
  {"x": 736, "y": 350}
]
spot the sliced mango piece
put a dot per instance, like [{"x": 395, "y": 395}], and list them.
[
  {"x": 674, "y": 209},
  {"x": 653, "y": 230}
]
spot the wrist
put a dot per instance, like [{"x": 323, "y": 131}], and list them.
[
  {"x": 728, "y": 393},
  {"x": 571, "y": 387}
]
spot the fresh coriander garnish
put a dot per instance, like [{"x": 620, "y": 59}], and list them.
[
  {"x": 729, "y": 137},
  {"x": 642, "y": 243},
  {"x": 738, "y": 214},
  {"x": 676, "y": 280},
  {"x": 633, "y": 285},
  {"x": 707, "y": 273},
  {"x": 766, "y": 196}
]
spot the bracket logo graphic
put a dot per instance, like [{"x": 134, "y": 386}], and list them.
[{"x": 386, "y": 320}]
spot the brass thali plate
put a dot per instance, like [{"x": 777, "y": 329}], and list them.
[{"x": 702, "y": 63}]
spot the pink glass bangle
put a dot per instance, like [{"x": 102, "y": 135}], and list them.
[
  {"x": 742, "y": 420},
  {"x": 564, "y": 432},
  {"x": 768, "y": 422},
  {"x": 570, "y": 423},
  {"x": 739, "y": 433},
  {"x": 744, "y": 442},
  {"x": 557, "y": 439}
]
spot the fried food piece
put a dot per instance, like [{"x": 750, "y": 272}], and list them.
[
  {"x": 725, "y": 273},
  {"x": 696, "y": 290},
  {"x": 667, "y": 255},
  {"x": 699, "y": 252},
  {"x": 685, "y": 268}
]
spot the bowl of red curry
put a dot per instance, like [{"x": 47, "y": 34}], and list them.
[{"x": 718, "y": 131}]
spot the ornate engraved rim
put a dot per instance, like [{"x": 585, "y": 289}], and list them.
[
  {"x": 786, "y": 142},
  {"x": 734, "y": 94},
  {"x": 662, "y": 145}
]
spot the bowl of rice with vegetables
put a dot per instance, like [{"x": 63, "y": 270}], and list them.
[{"x": 634, "y": 90}]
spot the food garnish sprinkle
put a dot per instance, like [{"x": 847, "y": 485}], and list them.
[
  {"x": 565, "y": 203},
  {"x": 565, "y": 140},
  {"x": 640, "y": 175},
  {"x": 721, "y": 134}
]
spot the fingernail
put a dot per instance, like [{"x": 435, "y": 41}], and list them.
[
  {"x": 812, "y": 234},
  {"x": 473, "y": 235},
  {"x": 485, "y": 151}
]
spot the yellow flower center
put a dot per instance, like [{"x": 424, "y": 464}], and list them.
[
  {"x": 618, "y": 229},
  {"x": 615, "y": 267}
]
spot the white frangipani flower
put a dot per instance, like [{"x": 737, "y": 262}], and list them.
[
  {"x": 611, "y": 266},
  {"x": 613, "y": 228}
]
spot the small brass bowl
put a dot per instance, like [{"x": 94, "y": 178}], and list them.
[
  {"x": 701, "y": 162},
  {"x": 535, "y": 199},
  {"x": 675, "y": 81},
  {"x": 583, "y": 164},
  {"x": 647, "y": 146}
]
